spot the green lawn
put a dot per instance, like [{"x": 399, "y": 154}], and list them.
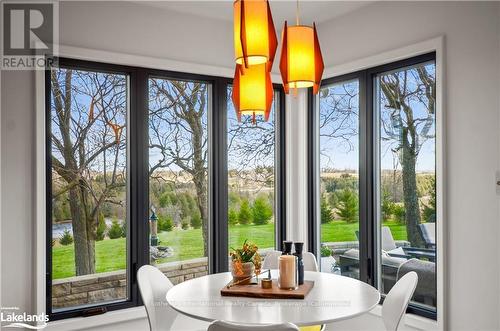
[
  {"x": 342, "y": 231},
  {"x": 188, "y": 244}
]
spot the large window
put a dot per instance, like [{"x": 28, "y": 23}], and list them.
[
  {"x": 376, "y": 200},
  {"x": 339, "y": 174},
  {"x": 405, "y": 118},
  {"x": 89, "y": 214},
  {"x": 252, "y": 178},
  {"x": 143, "y": 167},
  {"x": 178, "y": 174}
]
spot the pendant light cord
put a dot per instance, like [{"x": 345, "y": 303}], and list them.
[{"x": 297, "y": 13}]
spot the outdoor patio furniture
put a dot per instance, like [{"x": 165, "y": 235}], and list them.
[
  {"x": 388, "y": 243},
  {"x": 389, "y": 246},
  {"x": 393, "y": 268},
  {"x": 428, "y": 232},
  {"x": 426, "y": 288},
  {"x": 349, "y": 266},
  {"x": 420, "y": 253}
]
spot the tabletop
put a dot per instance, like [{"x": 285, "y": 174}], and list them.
[{"x": 332, "y": 298}]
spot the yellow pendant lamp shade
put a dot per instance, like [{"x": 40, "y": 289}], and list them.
[
  {"x": 301, "y": 62},
  {"x": 252, "y": 91},
  {"x": 255, "y": 40}
]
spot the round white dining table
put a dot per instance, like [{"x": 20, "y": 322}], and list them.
[{"x": 332, "y": 298}]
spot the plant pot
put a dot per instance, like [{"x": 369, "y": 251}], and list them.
[{"x": 246, "y": 271}]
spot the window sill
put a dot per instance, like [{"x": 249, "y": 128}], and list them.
[
  {"x": 112, "y": 317},
  {"x": 411, "y": 320}
]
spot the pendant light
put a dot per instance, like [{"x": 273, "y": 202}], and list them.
[
  {"x": 301, "y": 62},
  {"x": 255, "y": 40},
  {"x": 252, "y": 91}
]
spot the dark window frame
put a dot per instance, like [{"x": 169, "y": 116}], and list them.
[
  {"x": 368, "y": 249},
  {"x": 138, "y": 173}
]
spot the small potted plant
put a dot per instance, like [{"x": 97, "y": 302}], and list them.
[
  {"x": 327, "y": 260},
  {"x": 245, "y": 261}
]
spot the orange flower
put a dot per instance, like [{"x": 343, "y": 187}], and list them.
[{"x": 238, "y": 268}]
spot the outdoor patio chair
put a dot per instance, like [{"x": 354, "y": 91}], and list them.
[
  {"x": 389, "y": 246},
  {"x": 349, "y": 266},
  {"x": 388, "y": 243},
  {"x": 426, "y": 271},
  {"x": 428, "y": 232}
]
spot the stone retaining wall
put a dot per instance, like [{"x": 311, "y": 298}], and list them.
[{"x": 109, "y": 286}]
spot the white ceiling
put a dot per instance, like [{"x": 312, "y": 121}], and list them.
[{"x": 317, "y": 11}]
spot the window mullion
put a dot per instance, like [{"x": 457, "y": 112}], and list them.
[
  {"x": 371, "y": 210},
  {"x": 280, "y": 169},
  {"x": 218, "y": 178},
  {"x": 140, "y": 173},
  {"x": 364, "y": 181}
]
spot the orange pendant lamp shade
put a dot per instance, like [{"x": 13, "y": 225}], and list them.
[
  {"x": 301, "y": 62},
  {"x": 255, "y": 40},
  {"x": 252, "y": 91}
]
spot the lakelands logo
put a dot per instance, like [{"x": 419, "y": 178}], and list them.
[
  {"x": 29, "y": 34},
  {"x": 11, "y": 318}
]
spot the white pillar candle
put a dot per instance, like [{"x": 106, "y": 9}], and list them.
[{"x": 287, "y": 272}]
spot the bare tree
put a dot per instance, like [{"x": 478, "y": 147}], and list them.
[
  {"x": 409, "y": 98},
  {"x": 178, "y": 135},
  {"x": 339, "y": 117},
  {"x": 88, "y": 150},
  {"x": 251, "y": 150}
]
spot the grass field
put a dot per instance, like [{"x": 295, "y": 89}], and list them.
[
  {"x": 188, "y": 244},
  {"x": 341, "y": 231}
]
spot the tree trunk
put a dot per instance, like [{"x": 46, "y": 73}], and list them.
[
  {"x": 410, "y": 193},
  {"x": 201, "y": 193},
  {"x": 199, "y": 177},
  {"x": 84, "y": 241}
]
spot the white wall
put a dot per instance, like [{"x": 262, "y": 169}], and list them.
[
  {"x": 18, "y": 117},
  {"x": 472, "y": 70},
  {"x": 142, "y": 30}
]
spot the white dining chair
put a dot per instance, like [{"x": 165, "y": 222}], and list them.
[
  {"x": 226, "y": 326},
  {"x": 271, "y": 261},
  {"x": 310, "y": 263},
  {"x": 154, "y": 285},
  {"x": 396, "y": 301}
]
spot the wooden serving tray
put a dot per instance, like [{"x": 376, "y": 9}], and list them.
[{"x": 255, "y": 291}]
